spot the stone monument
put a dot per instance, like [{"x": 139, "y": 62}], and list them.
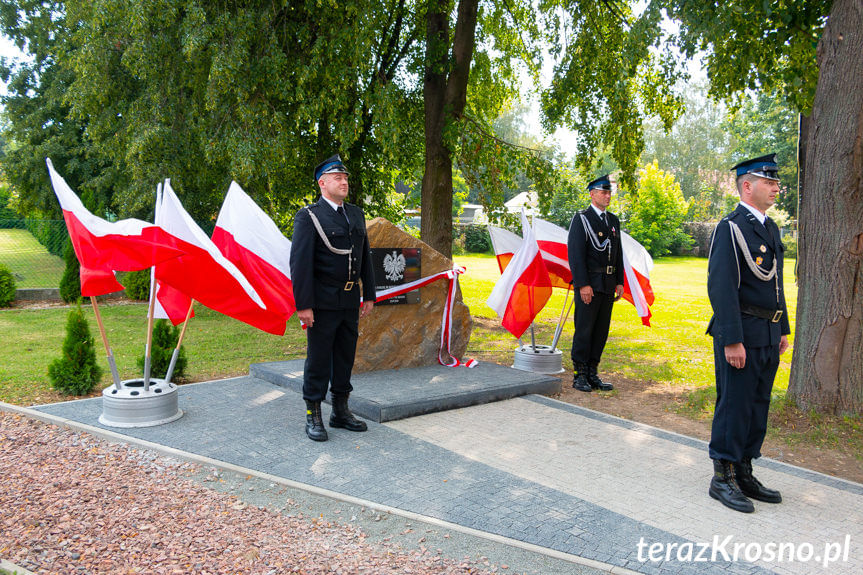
[{"x": 409, "y": 334}]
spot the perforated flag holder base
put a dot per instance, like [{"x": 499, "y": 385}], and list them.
[
  {"x": 538, "y": 359},
  {"x": 133, "y": 406}
]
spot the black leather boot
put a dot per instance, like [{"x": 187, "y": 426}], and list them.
[
  {"x": 315, "y": 422},
  {"x": 751, "y": 487},
  {"x": 342, "y": 416},
  {"x": 724, "y": 488},
  {"x": 579, "y": 377},
  {"x": 595, "y": 382}
]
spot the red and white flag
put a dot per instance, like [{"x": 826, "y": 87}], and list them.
[
  {"x": 524, "y": 286},
  {"x": 637, "y": 264},
  {"x": 103, "y": 247},
  {"x": 247, "y": 236},
  {"x": 205, "y": 275},
  {"x": 553, "y": 241},
  {"x": 505, "y": 244},
  {"x": 169, "y": 303}
]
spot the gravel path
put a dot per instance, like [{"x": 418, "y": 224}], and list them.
[{"x": 72, "y": 503}]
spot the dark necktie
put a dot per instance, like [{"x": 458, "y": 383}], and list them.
[
  {"x": 341, "y": 211},
  {"x": 602, "y": 217}
]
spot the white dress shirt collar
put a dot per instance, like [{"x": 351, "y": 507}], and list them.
[{"x": 758, "y": 215}]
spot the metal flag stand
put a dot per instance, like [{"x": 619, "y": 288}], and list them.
[
  {"x": 546, "y": 359},
  {"x": 141, "y": 402}
]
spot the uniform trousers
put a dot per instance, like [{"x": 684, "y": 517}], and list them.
[
  {"x": 331, "y": 344},
  {"x": 742, "y": 403},
  {"x": 592, "y": 321}
]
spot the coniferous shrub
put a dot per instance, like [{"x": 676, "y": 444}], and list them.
[
  {"x": 165, "y": 338},
  {"x": 70, "y": 283},
  {"x": 7, "y": 287},
  {"x": 76, "y": 371},
  {"x": 137, "y": 285}
]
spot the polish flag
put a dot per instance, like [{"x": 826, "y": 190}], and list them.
[
  {"x": 505, "y": 244},
  {"x": 205, "y": 275},
  {"x": 553, "y": 241},
  {"x": 247, "y": 236},
  {"x": 169, "y": 303},
  {"x": 637, "y": 264},
  {"x": 103, "y": 247},
  {"x": 524, "y": 286}
]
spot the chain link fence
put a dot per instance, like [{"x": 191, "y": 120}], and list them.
[{"x": 33, "y": 250}]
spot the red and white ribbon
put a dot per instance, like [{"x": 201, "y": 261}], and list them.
[{"x": 446, "y": 322}]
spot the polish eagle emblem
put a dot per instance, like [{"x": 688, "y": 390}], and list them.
[{"x": 394, "y": 266}]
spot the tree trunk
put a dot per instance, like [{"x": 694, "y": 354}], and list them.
[
  {"x": 827, "y": 370},
  {"x": 444, "y": 94}
]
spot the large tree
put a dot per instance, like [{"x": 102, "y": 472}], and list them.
[{"x": 772, "y": 47}]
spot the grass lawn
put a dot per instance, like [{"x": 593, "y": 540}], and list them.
[
  {"x": 30, "y": 262},
  {"x": 216, "y": 346}
]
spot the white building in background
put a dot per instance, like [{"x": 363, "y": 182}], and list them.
[
  {"x": 527, "y": 200},
  {"x": 472, "y": 214}
]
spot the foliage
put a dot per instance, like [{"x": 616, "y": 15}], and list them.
[
  {"x": 7, "y": 286},
  {"x": 476, "y": 239},
  {"x": 70, "y": 283},
  {"x": 695, "y": 149},
  {"x": 606, "y": 77},
  {"x": 753, "y": 45},
  {"x": 6, "y": 212},
  {"x": 137, "y": 285},
  {"x": 763, "y": 124},
  {"x": 654, "y": 214},
  {"x": 75, "y": 372},
  {"x": 570, "y": 196},
  {"x": 50, "y": 233},
  {"x": 165, "y": 337},
  {"x": 38, "y": 120}
]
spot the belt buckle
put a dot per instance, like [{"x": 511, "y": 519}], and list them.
[
  {"x": 349, "y": 286},
  {"x": 776, "y": 316},
  {"x": 609, "y": 270}
]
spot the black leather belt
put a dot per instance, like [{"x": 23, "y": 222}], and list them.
[
  {"x": 774, "y": 315},
  {"x": 607, "y": 270},
  {"x": 347, "y": 286}
]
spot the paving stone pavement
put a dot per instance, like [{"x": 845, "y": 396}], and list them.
[{"x": 530, "y": 469}]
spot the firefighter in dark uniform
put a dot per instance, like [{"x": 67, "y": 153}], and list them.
[
  {"x": 330, "y": 263},
  {"x": 596, "y": 261},
  {"x": 750, "y": 331}
]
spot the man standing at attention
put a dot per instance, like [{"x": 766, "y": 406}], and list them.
[
  {"x": 596, "y": 261},
  {"x": 750, "y": 331},
  {"x": 329, "y": 258}
]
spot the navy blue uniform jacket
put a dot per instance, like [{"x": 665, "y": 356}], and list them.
[
  {"x": 731, "y": 283},
  {"x": 588, "y": 265},
  {"x": 316, "y": 271}
]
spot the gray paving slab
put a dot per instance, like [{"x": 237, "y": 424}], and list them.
[
  {"x": 251, "y": 423},
  {"x": 399, "y": 393}
]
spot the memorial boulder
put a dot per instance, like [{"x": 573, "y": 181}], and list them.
[{"x": 407, "y": 333}]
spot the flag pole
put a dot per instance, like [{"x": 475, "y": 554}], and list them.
[
  {"x": 111, "y": 363},
  {"x": 563, "y": 317},
  {"x": 560, "y": 327},
  {"x": 152, "y": 306},
  {"x": 179, "y": 343}
]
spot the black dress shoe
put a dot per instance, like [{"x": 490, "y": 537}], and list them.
[{"x": 751, "y": 487}]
